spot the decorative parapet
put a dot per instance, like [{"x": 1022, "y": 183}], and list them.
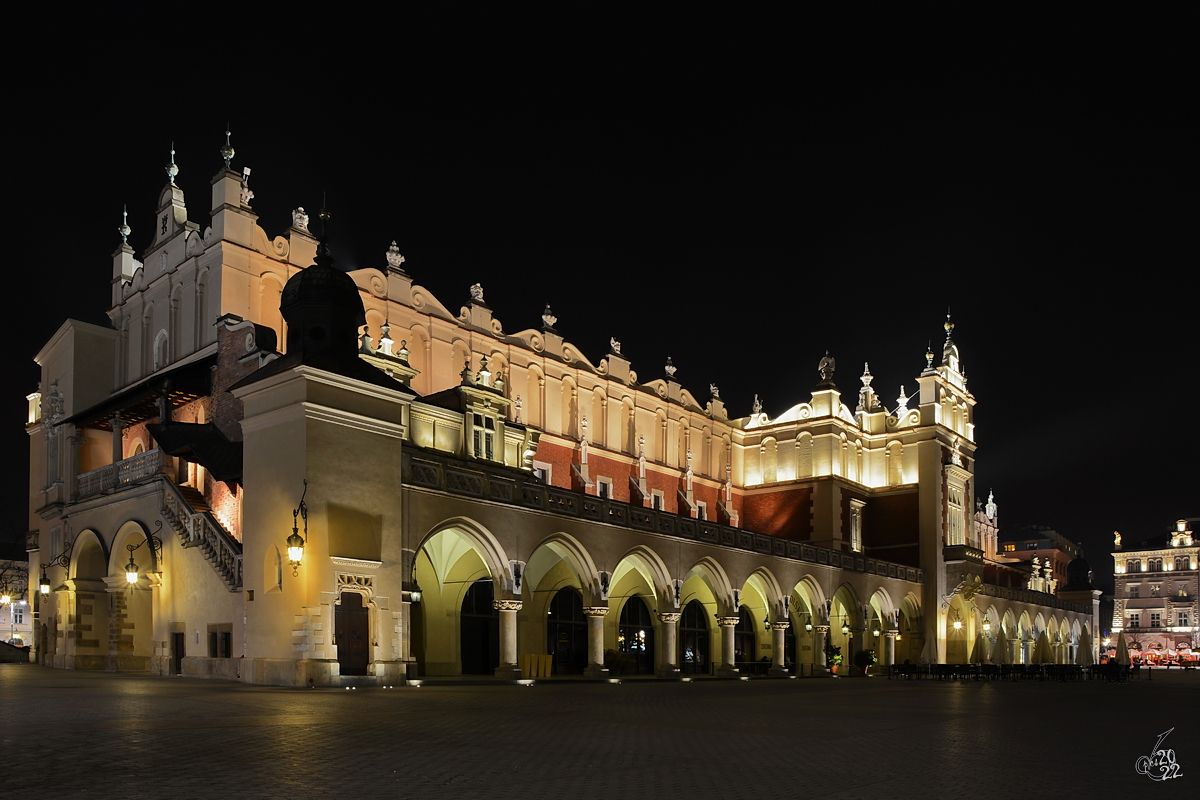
[
  {"x": 109, "y": 478},
  {"x": 1033, "y": 598},
  {"x": 447, "y": 475}
]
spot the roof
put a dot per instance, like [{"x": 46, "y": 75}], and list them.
[{"x": 203, "y": 443}]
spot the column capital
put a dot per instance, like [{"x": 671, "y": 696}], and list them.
[
  {"x": 507, "y": 605},
  {"x": 891, "y": 633},
  {"x": 821, "y": 628},
  {"x": 595, "y": 611},
  {"x": 670, "y": 617},
  {"x": 780, "y": 626},
  {"x": 728, "y": 622}
]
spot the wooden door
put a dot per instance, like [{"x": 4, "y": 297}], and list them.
[{"x": 351, "y": 634}]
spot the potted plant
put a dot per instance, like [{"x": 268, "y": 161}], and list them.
[
  {"x": 833, "y": 657},
  {"x": 865, "y": 659}
]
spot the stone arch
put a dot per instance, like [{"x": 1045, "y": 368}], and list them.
[
  {"x": 478, "y": 537},
  {"x": 764, "y": 582},
  {"x": 270, "y": 296},
  {"x": 598, "y": 417},
  {"x": 628, "y": 426},
  {"x": 419, "y": 344},
  {"x": 533, "y": 402},
  {"x": 715, "y": 578},
  {"x": 894, "y": 456},
  {"x": 89, "y": 557},
  {"x": 133, "y": 532},
  {"x": 565, "y": 548},
  {"x": 569, "y": 408},
  {"x": 653, "y": 570}
]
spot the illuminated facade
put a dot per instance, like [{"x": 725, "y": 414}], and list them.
[
  {"x": 475, "y": 500},
  {"x": 1156, "y": 589}
]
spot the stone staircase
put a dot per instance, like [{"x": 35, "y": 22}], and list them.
[{"x": 186, "y": 511}]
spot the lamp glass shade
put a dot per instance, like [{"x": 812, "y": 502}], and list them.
[
  {"x": 131, "y": 577},
  {"x": 5, "y": 599},
  {"x": 45, "y": 587},
  {"x": 295, "y": 547}
]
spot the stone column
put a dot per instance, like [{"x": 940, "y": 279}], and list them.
[
  {"x": 508, "y": 638},
  {"x": 669, "y": 624},
  {"x": 778, "y": 667},
  {"x": 889, "y": 646},
  {"x": 820, "y": 632},
  {"x": 595, "y": 622},
  {"x": 118, "y": 428},
  {"x": 727, "y": 668}
]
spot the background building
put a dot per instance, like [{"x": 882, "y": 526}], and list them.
[
  {"x": 1156, "y": 595},
  {"x": 470, "y": 497}
]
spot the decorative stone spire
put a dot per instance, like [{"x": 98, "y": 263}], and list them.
[
  {"x": 548, "y": 318},
  {"x": 227, "y": 151},
  {"x": 990, "y": 509},
  {"x": 394, "y": 259},
  {"x": 669, "y": 368},
  {"x": 172, "y": 169},
  {"x": 902, "y": 401},
  {"x": 124, "y": 228},
  {"x": 867, "y": 400},
  {"x": 929, "y": 356},
  {"x": 467, "y": 378},
  {"x": 484, "y": 378},
  {"x": 385, "y": 340}
]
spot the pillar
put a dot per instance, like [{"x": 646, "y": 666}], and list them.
[
  {"x": 889, "y": 646},
  {"x": 727, "y": 668},
  {"x": 595, "y": 622},
  {"x": 508, "y": 638},
  {"x": 820, "y": 634},
  {"x": 669, "y": 625},
  {"x": 118, "y": 428},
  {"x": 778, "y": 667}
]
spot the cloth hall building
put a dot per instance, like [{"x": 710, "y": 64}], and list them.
[{"x": 472, "y": 500}]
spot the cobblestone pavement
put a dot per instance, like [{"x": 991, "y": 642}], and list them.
[{"x": 96, "y": 735}]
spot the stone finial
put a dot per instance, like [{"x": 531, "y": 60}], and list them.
[
  {"x": 867, "y": 400},
  {"x": 669, "y": 369},
  {"x": 403, "y": 353},
  {"x": 476, "y": 293},
  {"x": 948, "y": 325},
  {"x": 826, "y": 367},
  {"x": 385, "y": 339},
  {"x": 467, "y": 378},
  {"x": 498, "y": 382},
  {"x": 929, "y": 355},
  {"x": 124, "y": 229},
  {"x": 227, "y": 151},
  {"x": 548, "y": 318},
  {"x": 300, "y": 219},
  {"x": 484, "y": 378},
  {"x": 172, "y": 169},
  {"x": 641, "y": 445},
  {"x": 614, "y": 345},
  {"x": 902, "y": 402},
  {"x": 990, "y": 509},
  {"x": 247, "y": 193},
  {"x": 394, "y": 259},
  {"x": 756, "y": 406}
]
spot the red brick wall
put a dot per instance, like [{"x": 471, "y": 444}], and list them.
[
  {"x": 225, "y": 503},
  {"x": 786, "y": 513},
  {"x": 889, "y": 520}
]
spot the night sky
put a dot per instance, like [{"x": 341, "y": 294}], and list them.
[{"x": 740, "y": 195}]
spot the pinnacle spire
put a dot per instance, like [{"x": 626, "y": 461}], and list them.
[
  {"x": 124, "y": 229},
  {"x": 227, "y": 151},
  {"x": 172, "y": 169}
]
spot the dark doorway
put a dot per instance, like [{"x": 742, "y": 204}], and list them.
[
  {"x": 566, "y": 633},
  {"x": 351, "y": 634},
  {"x": 635, "y": 635},
  {"x": 177, "y": 647},
  {"x": 693, "y": 639},
  {"x": 479, "y": 626}
]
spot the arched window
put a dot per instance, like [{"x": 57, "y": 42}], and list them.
[
  {"x": 635, "y": 635},
  {"x": 693, "y": 639},
  {"x": 566, "y": 632}
]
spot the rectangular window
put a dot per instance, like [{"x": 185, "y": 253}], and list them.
[
  {"x": 701, "y": 510},
  {"x": 1182, "y": 618},
  {"x": 656, "y": 497},
  {"x": 1155, "y": 619},
  {"x": 1133, "y": 590},
  {"x": 1135, "y": 620},
  {"x": 541, "y": 471},
  {"x": 18, "y": 615},
  {"x": 604, "y": 488},
  {"x": 1010, "y": 548}
]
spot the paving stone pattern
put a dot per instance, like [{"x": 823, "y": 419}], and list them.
[{"x": 97, "y": 735}]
